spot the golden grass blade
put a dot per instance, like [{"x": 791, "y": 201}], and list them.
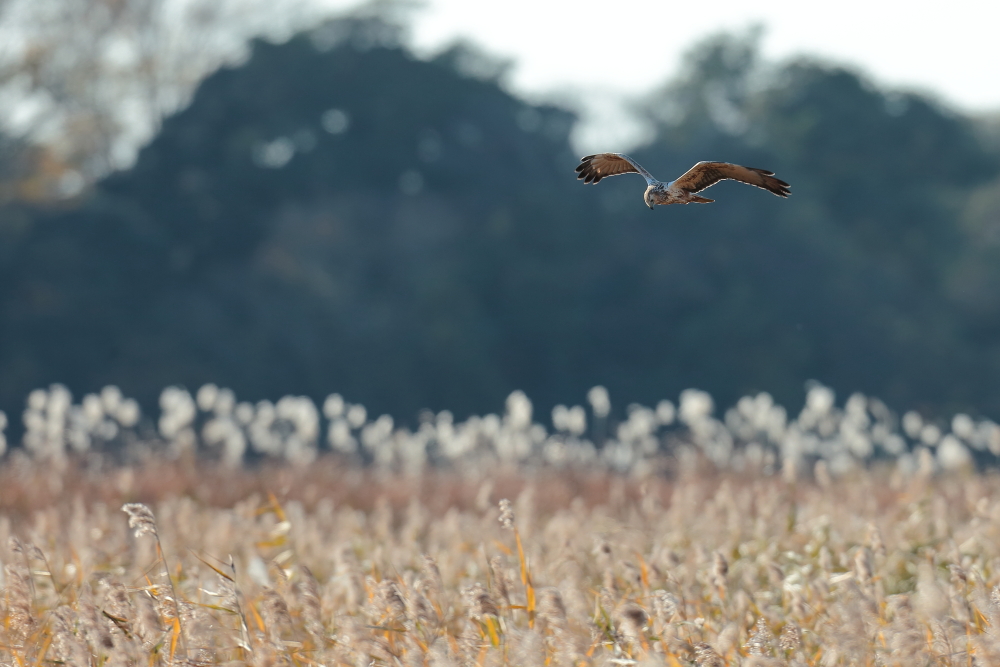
[
  {"x": 212, "y": 567},
  {"x": 175, "y": 635},
  {"x": 530, "y": 594},
  {"x": 215, "y": 607},
  {"x": 275, "y": 507},
  {"x": 520, "y": 558},
  {"x": 529, "y": 589},
  {"x": 502, "y": 547},
  {"x": 256, "y": 617},
  {"x": 385, "y": 628},
  {"x": 492, "y": 630},
  {"x": 46, "y": 642},
  {"x": 121, "y": 623},
  {"x": 643, "y": 571}
]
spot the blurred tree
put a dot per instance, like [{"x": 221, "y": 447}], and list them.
[
  {"x": 300, "y": 215},
  {"x": 846, "y": 280},
  {"x": 90, "y": 80},
  {"x": 338, "y": 215}
]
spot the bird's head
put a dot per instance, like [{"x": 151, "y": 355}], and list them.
[{"x": 647, "y": 197}]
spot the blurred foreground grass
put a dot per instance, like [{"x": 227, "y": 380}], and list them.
[
  {"x": 334, "y": 565},
  {"x": 835, "y": 536}
]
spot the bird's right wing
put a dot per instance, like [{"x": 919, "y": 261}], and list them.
[
  {"x": 595, "y": 167},
  {"x": 706, "y": 174}
]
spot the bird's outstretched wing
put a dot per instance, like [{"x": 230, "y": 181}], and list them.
[
  {"x": 595, "y": 167},
  {"x": 705, "y": 174}
]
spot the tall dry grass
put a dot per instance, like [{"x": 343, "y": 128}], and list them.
[
  {"x": 700, "y": 567},
  {"x": 291, "y": 534}
]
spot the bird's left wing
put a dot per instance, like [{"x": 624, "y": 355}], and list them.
[
  {"x": 705, "y": 174},
  {"x": 595, "y": 167}
]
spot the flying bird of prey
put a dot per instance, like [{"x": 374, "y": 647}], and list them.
[{"x": 682, "y": 191}]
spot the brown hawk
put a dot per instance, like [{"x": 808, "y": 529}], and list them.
[{"x": 682, "y": 191}]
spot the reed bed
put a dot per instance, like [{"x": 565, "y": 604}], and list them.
[
  {"x": 698, "y": 568},
  {"x": 754, "y": 539},
  {"x": 822, "y": 438}
]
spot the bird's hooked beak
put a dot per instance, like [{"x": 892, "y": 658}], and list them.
[{"x": 649, "y": 205}]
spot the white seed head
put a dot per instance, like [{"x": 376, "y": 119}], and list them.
[
  {"x": 140, "y": 519},
  {"x": 600, "y": 401},
  {"x": 506, "y": 514}
]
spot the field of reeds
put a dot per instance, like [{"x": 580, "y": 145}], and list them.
[{"x": 314, "y": 536}]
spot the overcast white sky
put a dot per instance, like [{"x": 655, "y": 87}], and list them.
[
  {"x": 949, "y": 47},
  {"x": 606, "y": 50}
]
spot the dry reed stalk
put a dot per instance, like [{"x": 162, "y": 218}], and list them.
[
  {"x": 308, "y": 598},
  {"x": 817, "y": 576},
  {"x": 761, "y": 641},
  {"x": 499, "y": 573},
  {"x": 142, "y": 521},
  {"x": 148, "y": 624},
  {"x": 20, "y": 619},
  {"x": 507, "y": 523},
  {"x": 66, "y": 647},
  {"x": 705, "y": 656},
  {"x": 274, "y": 611},
  {"x": 631, "y": 620},
  {"x": 720, "y": 568}
]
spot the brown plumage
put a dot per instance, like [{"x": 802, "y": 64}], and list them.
[
  {"x": 593, "y": 168},
  {"x": 707, "y": 174}
]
